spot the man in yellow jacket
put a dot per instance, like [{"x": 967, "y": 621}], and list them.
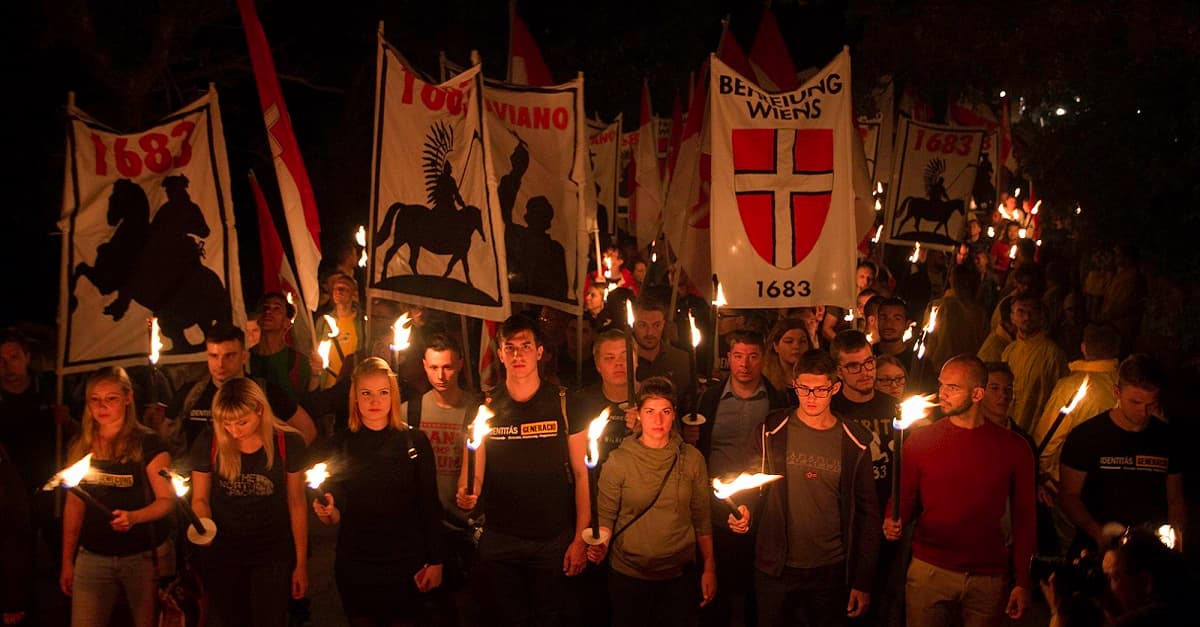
[
  {"x": 1034, "y": 358},
  {"x": 1101, "y": 346}
]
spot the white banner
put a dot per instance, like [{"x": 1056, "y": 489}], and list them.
[
  {"x": 148, "y": 230},
  {"x": 436, "y": 235},
  {"x": 783, "y": 232},
  {"x": 932, "y": 181},
  {"x": 539, "y": 153},
  {"x": 605, "y": 156}
]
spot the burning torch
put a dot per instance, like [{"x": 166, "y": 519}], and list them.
[
  {"x": 913, "y": 408},
  {"x": 745, "y": 481},
  {"x": 592, "y": 461},
  {"x": 479, "y": 430}
]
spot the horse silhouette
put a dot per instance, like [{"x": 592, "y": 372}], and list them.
[
  {"x": 936, "y": 207},
  {"x": 167, "y": 274},
  {"x": 417, "y": 227}
]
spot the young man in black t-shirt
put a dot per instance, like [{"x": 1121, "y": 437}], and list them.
[
  {"x": 1124, "y": 465},
  {"x": 533, "y": 482},
  {"x": 608, "y": 351}
]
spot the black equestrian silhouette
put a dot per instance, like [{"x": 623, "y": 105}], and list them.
[
  {"x": 158, "y": 263},
  {"x": 937, "y": 206},
  {"x": 443, "y": 228}
]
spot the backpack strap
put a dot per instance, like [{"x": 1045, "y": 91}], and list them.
[{"x": 413, "y": 418}]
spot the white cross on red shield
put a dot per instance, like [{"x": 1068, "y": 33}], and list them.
[{"x": 784, "y": 184}]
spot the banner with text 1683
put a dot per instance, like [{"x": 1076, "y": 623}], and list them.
[
  {"x": 932, "y": 180},
  {"x": 782, "y": 201},
  {"x": 148, "y": 231}
]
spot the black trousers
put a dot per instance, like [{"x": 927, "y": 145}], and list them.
[
  {"x": 524, "y": 580},
  {"x": 735, "y": 578},
  {"x": 654, "y": 603},
  {"x": 248, "y": 595},
  {"x": 804, "y": 597}
]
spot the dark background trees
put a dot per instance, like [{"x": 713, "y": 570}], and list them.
[{"x": 1126, "y": 73}]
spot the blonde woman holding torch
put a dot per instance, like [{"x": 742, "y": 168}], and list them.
[
  {"x": 382, "y": 491},
  {"x": 654, "y": 492}
]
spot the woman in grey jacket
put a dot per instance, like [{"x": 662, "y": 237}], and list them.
[{"x": 654, "y": 491}]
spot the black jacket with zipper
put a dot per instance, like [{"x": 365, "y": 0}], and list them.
[{"x": 858, "y": 503}]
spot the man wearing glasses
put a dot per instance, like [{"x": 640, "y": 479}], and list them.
[
  {"x": 807, "y": 559},
  {"x": 531, "y": 469},
  {"x": 859, "y": 402}
]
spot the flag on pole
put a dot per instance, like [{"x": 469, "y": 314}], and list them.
[
  {"x": 647, "y": 198},
  {"x": 676, "y": 134},
  {"x": 525, "y": 64},
  {"x": 277, "y": 272},
  {"x": 685, "y": 209},
  {"x": 769, "y": 56},
  {"x": 489, "y": 369},
  {"x": 299, "y": 204},
  {"x": 731, "y": 53}
]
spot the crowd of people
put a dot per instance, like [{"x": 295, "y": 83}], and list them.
[{"x": 549, "y": 521}]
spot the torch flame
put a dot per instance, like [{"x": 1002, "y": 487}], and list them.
[
  {"x": 878, "y": 187},
  {"x": 870, "y": 337},
  {"x": 362, "y": 259},
  {"x": 360, "y": 236},
  {"x": 608, "y": 267},
  {"x": 991, "y": 232},
  {"x": 155, "y": 341},
  {"x": 401, "y": 331},
  {"x": 480, "y": 427},
  {"x": 1078, "y": 210},
  {"x": 323, "y": 351},
  {"x": 71, "y": 475},
  {"x": 595, "y": 430},
  {"x": 695, "y": 330},
  {"x": 629, "y": 312},
  {"x": 719, "y": 301},
  {"x": 1022, "y": 233},
  {"x": 908, "y": 333},
  {"x": 1079, "y": 394},
  {"x": 1166, "y": 535},
  {"x": 849, "y": 317},
  {"x": 1017, "y": 193},
  {"x": 333, "y": 327},
  {"x": 1034, "y": 210},
  {"x": 744, "y": 481},
  {"x": 932, "y": 324},
  {"x": 289, "y": 298},
  {"x": 913, "y": 409},
  {"x": 316, "y": 475},
  {"x": 180, "y": 485},
  {"x": 878, "y": 205},
  {"x": 878, "y": 234},
  {"x": 1012, "y": 252},
  {"x": 916, "y": 255},
  {"x": 653, "y": 257}
]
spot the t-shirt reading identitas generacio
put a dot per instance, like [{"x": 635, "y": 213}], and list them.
[
  {"x": 814, "y": 474},
  {"x": 1126, "y": 470},
  {"x": 528, "y": 488},
  {"x": 251, "y": 512},
  {"x": 122, "y": 485},
  {"x": 876, "y": 415}
]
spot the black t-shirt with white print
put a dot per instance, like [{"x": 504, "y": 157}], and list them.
[
  {"x": 251, "y": 512},
  {"x": 528, "y": 488},
  {"x": 1126, "y": 470},
  {"x": 122, "y": 484}
]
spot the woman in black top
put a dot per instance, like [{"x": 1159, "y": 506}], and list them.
[
  {"x": 118, "y": 553},
  {"x": 383, "y": 492},
  {"x": 247, "y": 475}
]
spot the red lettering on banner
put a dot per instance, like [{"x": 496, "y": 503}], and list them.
[
  {"x": 541, "y": 117},
  {"x": 151, "y": 150},
  {"x": 531, "y": 117}
]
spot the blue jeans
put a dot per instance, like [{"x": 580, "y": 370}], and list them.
[{"x": 99, "y": 579}]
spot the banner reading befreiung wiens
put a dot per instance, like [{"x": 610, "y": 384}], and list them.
[
  {"x": 782, "y": 204},
  {"x": 148, "y": 230},
  {"x": 436, "y": 238}
]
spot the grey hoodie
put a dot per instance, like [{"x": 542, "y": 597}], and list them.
[{"x": 663, "y": 541}]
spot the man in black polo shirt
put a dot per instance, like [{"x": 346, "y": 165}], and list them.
[
  {"x": 534, "y": 486},
  {"x": 190, "y": 412},
  {"x": 656, "y": 357},
  {"x": 608, "y": 352},
  {"x": 1124, "y": 465}
]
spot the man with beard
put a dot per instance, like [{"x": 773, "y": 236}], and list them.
[
  {"x": 893, "y": 320},
  {"x": 657, "y": 358},
  {"x": 1034, "y": 358},
  {"x": 964, "y": 471}
]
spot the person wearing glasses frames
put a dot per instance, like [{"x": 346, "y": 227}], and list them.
[
  {"x": 890, "y": 376},
  {"x": 807, "y": 558}
]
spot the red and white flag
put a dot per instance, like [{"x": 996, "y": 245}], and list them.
[
  {"x": 783, "y": 189},
  {"x": 489, "y": 363},
  {"x": 277, "y": 272},
  {"x": 299, "y": 205},
  {"x": 685, "y": 209},
  {"x": 525, "y": 64},
  {"x": 647, "y": 198},
  {"x": 769, "y": 56}
]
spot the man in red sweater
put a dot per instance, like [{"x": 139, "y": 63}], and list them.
[{"x": 963, "y": 471}]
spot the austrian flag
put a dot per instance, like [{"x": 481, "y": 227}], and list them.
[{"x": 782, "y": 198}]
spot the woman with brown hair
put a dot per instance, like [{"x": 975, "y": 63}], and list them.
[
  {"x": 247, "y": 475},
  {"x": 786, "y": 343},
  {"x": 106, "y": 557}
]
